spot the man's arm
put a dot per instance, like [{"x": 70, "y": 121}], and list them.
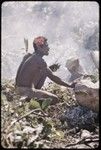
[{"x": 56, "y": 79}]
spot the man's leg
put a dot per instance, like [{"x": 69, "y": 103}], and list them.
[
  {"x": 44, "y": 94},
  {"x": 40, "y": 94},
  {"x": 35, "y": 93}
]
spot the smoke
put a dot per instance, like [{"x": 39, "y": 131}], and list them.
[{"x": 66, "y": 25}]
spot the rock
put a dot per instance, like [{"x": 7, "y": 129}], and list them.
[
  {"x": 17, "y": 132},
  {"x": 85, "y": 134},
  {"x": 24, "y": 98},
  {"x": 18, "y": 139},
  {"x": 87, "y": 94},
  {"x": 76, "y": 70},
  {"x": 28, "y": 129}
]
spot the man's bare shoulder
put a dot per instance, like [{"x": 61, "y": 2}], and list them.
[
  {"x": 40, "y": 61},
  {"x": 28, "y": 55}
]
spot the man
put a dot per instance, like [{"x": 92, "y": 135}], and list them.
[{"x": 33, "y": 72}]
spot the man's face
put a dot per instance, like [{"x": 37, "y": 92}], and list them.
[{"x": 44, "y": 49}]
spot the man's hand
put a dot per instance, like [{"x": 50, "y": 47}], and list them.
[
  {"x": 54, "y": 67},
  {"x": 58, "y": 80}
]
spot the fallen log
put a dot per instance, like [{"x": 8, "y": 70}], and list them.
[{"x": 87, "y": 94}]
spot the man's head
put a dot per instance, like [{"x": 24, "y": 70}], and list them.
[{"x": 40, "y": 45}]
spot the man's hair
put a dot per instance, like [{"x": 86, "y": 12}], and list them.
[{"x": 38, "y": 42}]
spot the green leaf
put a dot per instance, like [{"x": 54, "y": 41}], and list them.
[
  {"x": 50, "y": 122},
  {"x": 60, "y": 134},
  {"x": 45, "y": 104},
  {"x": 57, "y": 134},
  {"x": 34, "y": 104}
]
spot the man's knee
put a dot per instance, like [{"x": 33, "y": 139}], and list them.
[{"x": 44, "y": 94}]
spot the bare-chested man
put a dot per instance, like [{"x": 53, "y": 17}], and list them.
[{"x": 33, "y": 72}]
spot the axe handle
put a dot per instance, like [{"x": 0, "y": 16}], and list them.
[{"x": 26, "y": 44}]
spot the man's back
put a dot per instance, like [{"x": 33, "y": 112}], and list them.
[{"x": 31, "y": 71}]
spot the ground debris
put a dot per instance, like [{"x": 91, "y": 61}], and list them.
[
  {"x": 30, "y": 124},
  {"x": 82, "y": 117}
]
